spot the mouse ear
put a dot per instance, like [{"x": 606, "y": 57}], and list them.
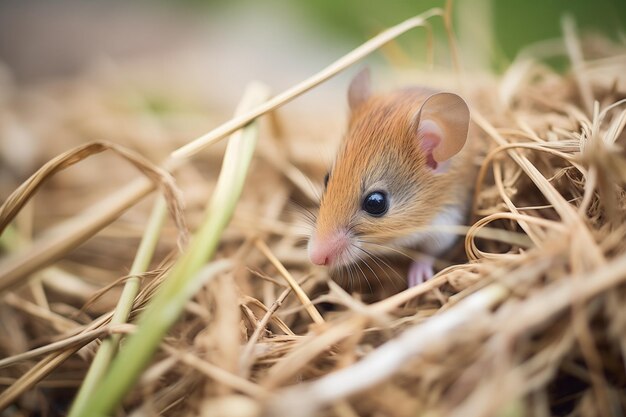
[
  {"x": 442, "y": 123},
  {"x": 360, "y": 88}
]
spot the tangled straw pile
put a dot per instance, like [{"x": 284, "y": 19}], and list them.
[{"x": 534, "y": 323}]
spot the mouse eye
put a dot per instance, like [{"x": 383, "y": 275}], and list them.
[
  {"x": 326, "y": 178},
  {"x": 376, "y": 203}
]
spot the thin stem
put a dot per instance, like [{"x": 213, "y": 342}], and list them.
[
  {"x": 304, "y": 299},
  {"x": 300, "y": 88},
  {"x": 186, "y": 276},
  {"x": 105, "y": 354}
]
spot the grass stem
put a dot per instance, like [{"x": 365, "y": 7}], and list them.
[
  {"x": 187, "y": 274},
  {"x": 107, "y": 350}
]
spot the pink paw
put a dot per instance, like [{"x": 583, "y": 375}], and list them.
[{"x": 420, "y": 271}]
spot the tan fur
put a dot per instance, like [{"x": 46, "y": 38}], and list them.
[{"x": 381, "y": 151}]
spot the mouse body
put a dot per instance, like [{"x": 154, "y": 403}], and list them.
[{"x": 402, "y": 171}]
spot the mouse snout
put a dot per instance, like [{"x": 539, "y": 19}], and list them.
[{"x": 324, "y": 250}]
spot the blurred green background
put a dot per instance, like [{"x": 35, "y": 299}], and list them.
[
  {"x": 505, "y": 25},
  {"x": 286, "y": 39}
]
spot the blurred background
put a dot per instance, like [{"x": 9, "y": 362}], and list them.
[{"x": 277, "y": 40}]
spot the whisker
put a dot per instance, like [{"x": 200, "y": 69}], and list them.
[
  {"x": 348, "y": 270},
  {"x": 374, "y": 257},
  {"x": 354, "y": 278},
  {"x": 377, "y": 258},
  {"x": 369, "y": 256},
  {"x": 303, "y": 210},
  {"x": 351, "y": 228},
  {"x": 373, "y": 273},
  {"x": 391, "y": 248},
  {"x": 315, "y": 189},
  {"x": 339, "y": 275},
  {"x": 364, "y": 277}
]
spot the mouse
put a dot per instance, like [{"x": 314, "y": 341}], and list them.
[{"x": 403, "y": 169}]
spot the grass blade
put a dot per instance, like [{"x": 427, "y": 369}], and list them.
[
  {"x": 184, "y": 279},
  {"x": 105, "y": 354}
]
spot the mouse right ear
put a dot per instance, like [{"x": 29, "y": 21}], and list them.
[
  {"x": 360, "y": 88},
  {"x": 443, "y": 123}
]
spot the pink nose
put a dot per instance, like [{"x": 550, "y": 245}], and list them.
[
  {"x": 325, "y": 251},
  {"x": 320, "y": 258}
]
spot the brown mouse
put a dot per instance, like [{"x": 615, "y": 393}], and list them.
[{"x": 402, "y": 170}]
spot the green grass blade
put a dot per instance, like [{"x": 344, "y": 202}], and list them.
[
  {"x": 107, "y": 350},
  {"x": 184, "y": 278}
]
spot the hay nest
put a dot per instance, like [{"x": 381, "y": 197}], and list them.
[{"x": 527, "y": 317}]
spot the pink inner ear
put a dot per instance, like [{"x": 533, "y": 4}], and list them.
[{"x": 430, "y": 138}]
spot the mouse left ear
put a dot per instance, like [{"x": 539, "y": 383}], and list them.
[
  {"x": 442, "y": 123},
  {"x": 360, "y": 88}
]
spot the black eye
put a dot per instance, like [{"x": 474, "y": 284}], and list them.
[
  {"x": 376, "y": 204},
  {"x": 326, "y": 178}
]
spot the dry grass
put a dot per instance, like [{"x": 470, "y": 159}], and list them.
[{"x": 533, "y": 324}]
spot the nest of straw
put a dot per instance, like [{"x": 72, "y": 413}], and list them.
[{"x": 526, "y": 317}]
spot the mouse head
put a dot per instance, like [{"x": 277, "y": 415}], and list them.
[{"x": 392, "y": 173}]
